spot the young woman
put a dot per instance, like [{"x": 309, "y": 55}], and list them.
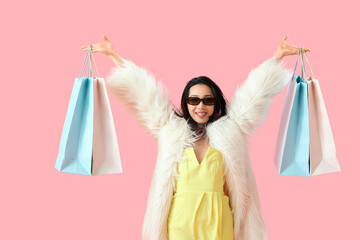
[{"x": 203, "y": 185}]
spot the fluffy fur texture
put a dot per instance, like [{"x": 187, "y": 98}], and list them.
[{"x": 137, "y": 89}]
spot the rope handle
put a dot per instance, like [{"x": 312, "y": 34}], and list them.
[
  {"x": 307, "y": 60},
  {"x": 89, "y": 59},
  {"x": 296, "y": 65}
]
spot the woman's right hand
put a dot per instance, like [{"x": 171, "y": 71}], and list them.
[{"x": 108, "y": 49}]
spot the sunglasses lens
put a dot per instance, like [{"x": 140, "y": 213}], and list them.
[
  {"x": 196, "y": 101},
  {"x": 193, "y": 100},
  {"x": 209, "y": 101}
]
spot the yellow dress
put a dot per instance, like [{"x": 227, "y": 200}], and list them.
[{"x": 200, "y": 210}]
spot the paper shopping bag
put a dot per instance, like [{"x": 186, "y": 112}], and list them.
[
  {"x": 88, "y": 142},
  {"x": 75, "y": 153},
  {"x": 323, "y": 157},
  {"x": 305, "y": 144},
  {"x": 292, "y": 147},
  {"x": 295, "y": 158},
  {"x": 106, "y": 155}
]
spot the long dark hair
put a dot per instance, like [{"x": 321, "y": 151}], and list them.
[{"x": 219, "y": 108}]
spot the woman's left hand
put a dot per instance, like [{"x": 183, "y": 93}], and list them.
[{"x": 285, "y": 49}]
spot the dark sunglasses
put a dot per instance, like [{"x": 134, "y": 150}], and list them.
[{"x": 195, "y": 101}]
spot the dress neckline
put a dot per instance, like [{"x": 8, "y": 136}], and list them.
[{"x": 205, "y": 156}]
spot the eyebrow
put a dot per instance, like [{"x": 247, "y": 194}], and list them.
[{"x": 198, "y": 95}]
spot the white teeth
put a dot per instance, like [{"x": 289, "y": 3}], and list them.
[{"x": 201, "y": 114}]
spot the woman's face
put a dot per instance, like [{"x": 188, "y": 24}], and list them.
[{"x": 200, "y": 113}]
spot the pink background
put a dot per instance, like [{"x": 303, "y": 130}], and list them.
[{"x": 41, "y": 56}]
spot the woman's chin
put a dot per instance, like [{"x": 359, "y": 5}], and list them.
[{"x": 201, "y": 121}]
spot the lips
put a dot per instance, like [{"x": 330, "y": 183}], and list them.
[{"x": 200, "y": 114}]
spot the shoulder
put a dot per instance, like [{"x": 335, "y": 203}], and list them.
[{"x": 175, "y": 124}]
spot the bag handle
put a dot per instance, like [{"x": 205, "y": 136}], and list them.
[
  {"x": 84, "y": 64},
  {"x": 296, "y": 65},
  {"x": 303, "y": 76},
  {"x": 301, "y": 52},
  {"x": 307, "y": 60},
  {"x": 303, "y": 63},
  {"x": 88, "y": 60},
  {"x": 93, "y": 60}
]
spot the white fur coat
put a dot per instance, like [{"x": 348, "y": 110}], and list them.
[{"x": 148, "y": 100}]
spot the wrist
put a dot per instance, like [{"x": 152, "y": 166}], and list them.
[
  {"x": 278, "y": 56},
  {"x": 116, "y": 60},
  {"x": 112, "y": 54}
]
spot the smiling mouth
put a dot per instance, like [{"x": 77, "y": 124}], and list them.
[{"x": 200, "y": 114}]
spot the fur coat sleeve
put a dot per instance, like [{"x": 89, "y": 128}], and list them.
[
  {"x": 138, "y": 91},
  {"x": 248, "y": 110},
  {"x": 253, "y": 99}
]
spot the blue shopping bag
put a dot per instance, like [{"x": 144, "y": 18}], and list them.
[
  {"x": 292, "y": 154},
  {"x": 75, "y": 151},
  {"x": 296, "y": 156}
]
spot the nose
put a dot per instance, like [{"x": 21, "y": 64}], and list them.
[{"x": 201, "y": 105}]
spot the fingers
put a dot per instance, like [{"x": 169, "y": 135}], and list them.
[
  {"x": 305, "y": 49},
  {"x": 92, "y": 48},
  {"x": 85, "y": 48},
  {"x": 285, "y": 38},
  {"x": 105, "y": 38}
]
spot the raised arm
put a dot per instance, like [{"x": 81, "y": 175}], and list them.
[
  {"x": 253, "y": 99},
  {"x": 137, "y": 90}
]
